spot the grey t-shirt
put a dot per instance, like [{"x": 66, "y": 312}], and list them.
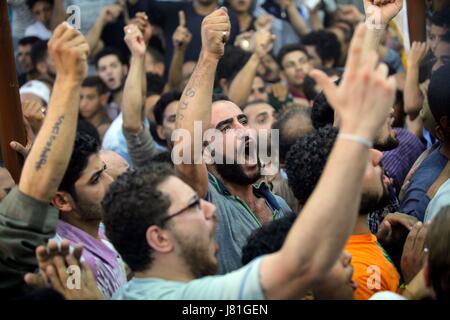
[
  {"x": 236, "y": 221},
  {"x": 243, "y": 284}
]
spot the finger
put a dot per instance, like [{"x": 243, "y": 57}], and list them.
[
  {"x": 54, "y": 279},
  {"x": 382, "y": 70},
  {"x": 220, "y": 27},
  {"x": 325, "y": 82},
  {"x": 355, "y": 50},
  {"x": 181, "y": 18},
  {"x": 60, "y": 265},
  {"x": 409, "y": 244},
  {"x": 420, "y": 239},
  {"x": 52, "y": 248},
  {"x": 65, "y": 247},
  {"x": 19, "y": 148},
  {"x": 60, "y": 29},
  {"x": 35, "y": 280},
  {"x": 41, "y": 254},
  {"x": 78, "y": 251}
]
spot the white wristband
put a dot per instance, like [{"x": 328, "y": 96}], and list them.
[{"x": 353, "y": 137}]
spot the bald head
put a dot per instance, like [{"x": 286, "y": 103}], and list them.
[{"x": 115, "y": 163}]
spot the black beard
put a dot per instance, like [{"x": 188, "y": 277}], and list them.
[
  {"x": 234, "y": 174},
  {"x": 390, "y": 144},
  {"x": 371, "y": 203}
]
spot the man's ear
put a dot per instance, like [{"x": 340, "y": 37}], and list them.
[
  {"x": 159, "y": 239},
  {"x": 63, "y": 201}
]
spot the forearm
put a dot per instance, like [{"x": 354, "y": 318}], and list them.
[
  {"x": 241, "y": 86},
  {"x": 176, "y": 70},
  {"x": 59, "y": 14},
  {"x": 48, "y": 159},
  {"x": 94, "y": 34},
  {"x": 316, "y": 23},
  {"x": 297, "y": 21},
  {"x": 374, "y": 36},
  {"x": 412, "y": 95},
  {"x": 132, "y": 96}
]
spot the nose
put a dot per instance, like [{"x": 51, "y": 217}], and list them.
[
  {"x": 376, "y": 156},
  {"x": 209, "y": 209}
]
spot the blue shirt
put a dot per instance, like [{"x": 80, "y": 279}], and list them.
[
  {"x": 242, "y": 284},
  {"x": 416, "y": 200}
]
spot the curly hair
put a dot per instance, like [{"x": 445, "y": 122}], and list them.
[
  {"x": 133, "y": 204},
  {"x": 85, "y": 146},
  {"x": 267, "y": 239},
  {"x": 306, "y": 160},
  {"x": 326, "y": 43}
]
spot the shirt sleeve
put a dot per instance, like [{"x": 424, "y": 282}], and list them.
[
  {"x": 141, "y": 147},
  {"x": 25, "y": 223}
]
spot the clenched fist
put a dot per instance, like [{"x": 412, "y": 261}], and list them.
[
  {"x": 135, "y": 40},
  {"x": 69, "y": 50},
  {"x": 215, "y": 33}
]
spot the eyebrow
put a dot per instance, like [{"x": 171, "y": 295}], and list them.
[
  {"x": 265, "y": 113},
  {"x": 224, "y": 122},
  {"x": 97, "y": 174}
]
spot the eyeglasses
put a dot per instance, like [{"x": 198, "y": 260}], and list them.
[{"x": 195, "y": 203}]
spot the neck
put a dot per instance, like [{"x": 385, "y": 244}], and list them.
[
  {"x": 117, "y": 96},
  {"x": 88, "y": 226},
  {"x": 172, "y": 269},
  {"x": 361, "y": 225},
  {"x": 95, "y": 120},
  {"x": 298, "y": 89},
  {"x": 244, "y": 20},
  {"x": 243, "y": 192},
  {"x": 204, "y": 9}
]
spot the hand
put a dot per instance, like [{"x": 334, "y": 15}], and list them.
[
  {"x": 413, "y": 256},
  {"x": 69, "y": 51},
  {"x": 34, "y": 112},
  {"x": 417, "y": 54},
  {"x": 181, "y": 37},
  {"x": 395, "y": 225},
  {"x": 264, "y": 22},
  {"x": 53, "y": 263},
  {"x": 350, "y": 13},
  {"x": 135, "y": 41},
  {"x": 110, "y": 13},
  {"x": 141, "y": 21},
  {"x": 215, "y": 32},
  {"x": 380, "y": 12},
  {"x": 245, "y": 41},
  {"x": 280, "y": 91},
  {"x": 263, "y": 42},
  {"x": 18, "y": 147},
  {"x": 365, "y": 96}
]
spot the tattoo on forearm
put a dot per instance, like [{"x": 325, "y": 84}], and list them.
[
  {"x": 54, "y": 134},
  {"x": 189, "y": 93}
]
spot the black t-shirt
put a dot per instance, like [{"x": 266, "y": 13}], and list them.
[{"x": 165, "y": 14}]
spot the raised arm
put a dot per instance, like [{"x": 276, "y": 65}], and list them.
[
  {"x": 241, "y": 86},
  {"x": 296, "y": 20},
  {"x": 196, "y": 100},
  {"x": 50, "y": 154},
  {"x": 412, "y": 94},
  {"x": 318, "y": 236},
  {"x": 181, "y": 39}
]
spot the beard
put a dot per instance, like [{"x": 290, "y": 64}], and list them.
[
  {"x": 197, "y": 256},
  {"x": 371, "y": 202},
  {"x": 390, "y": 143},
  {"x": 234, "y": 173},
  {"x": 89, "y": 211}
]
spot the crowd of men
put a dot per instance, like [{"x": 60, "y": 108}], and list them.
[{"x": 250, "y": 149}]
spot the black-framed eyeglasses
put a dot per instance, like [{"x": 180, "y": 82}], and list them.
[{"x": 194, "y": 203}]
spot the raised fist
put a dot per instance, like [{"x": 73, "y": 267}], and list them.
[
  {"x": 69, "y": 51},
  {"x": 181, "y": 37},
  {"x": 135, "y": 40},
  {"x": 215, "y": 33}
]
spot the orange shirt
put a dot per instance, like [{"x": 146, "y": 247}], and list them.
[{"x": 373, "y": 270}]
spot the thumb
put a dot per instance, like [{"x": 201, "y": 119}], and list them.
[
  {"x": 325, "y": 82},
  {"x": 18, "y": 148}
]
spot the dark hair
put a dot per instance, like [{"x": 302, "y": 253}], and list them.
[
  {"x": 109, "y": 51},
  {"x": 156, "y": 55},
  {"x": 267, "y": 239},
  {"x": 96, "y": 82},
  {"x": 85, "y": 146},
  {"x": 288, "y": 49},
  {"x": 38, "y": 52},
  {"x": 155, "y": 84},
  {"x": 163, "y": 157},
  {"x": 31, "y": 3},
  {"x": 220, "y": 97},
  {"x": 439, "y": 92},
  {"x": 322, "y": 113},
  {"x": 231, "y": 63},
  {"x": 158, "y": 112},
  {"x": 441, "y": 18},
  {"x": 309, "y": 85},
  {"x": 306, "y": 160},
  {"x": 25, "y": 41},
  {"x": 438, "y": 242},
  {"x": 326, "y": 44},
  {"x": 133, "y": 204},
  {"x": 292, "y": 125}
]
